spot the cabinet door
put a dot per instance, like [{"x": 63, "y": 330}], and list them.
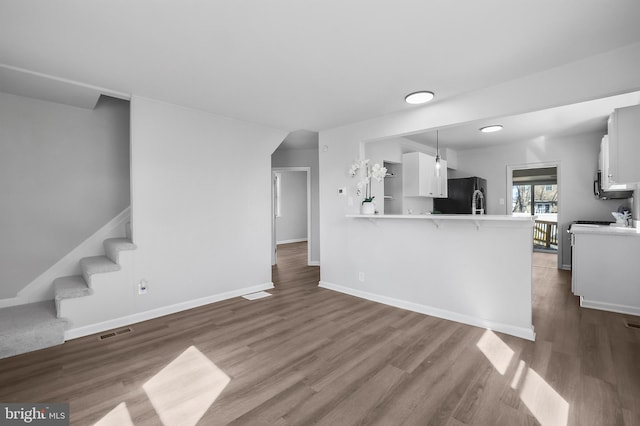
[
  {"x": 411, "y": 174},
  {"x": 625, "y": 145},
  {"x": 609, "y": 149},
  {"x": 419, "y": 176},
  {"x": 427, "y": 178}
]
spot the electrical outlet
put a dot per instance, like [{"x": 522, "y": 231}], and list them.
[
  {"x": 361, "y": 276},
  {"x": 502, "y": 201},
  {"x": 143, "y": 286}
]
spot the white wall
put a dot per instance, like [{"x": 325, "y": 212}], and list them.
[
  {"x": 453, "y": 269},
  {"x": 291, "y": 225},
  {"x": 578, "y": 161},
  {"x": 571, "y": 83},
  {"x": 305, "y": 158},
  {"x": 201, "y": 202},
  {"x": 64, "y": 173}
]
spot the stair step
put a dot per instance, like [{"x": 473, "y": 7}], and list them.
[
  {"x": 30, "y": 327},
  {"x": 96, "y": 265},
  {"x": 69, "y": 287},
  {"x": 113, "y": 246}
]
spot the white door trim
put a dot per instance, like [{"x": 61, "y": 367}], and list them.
[{"x": 509, "y": 195}]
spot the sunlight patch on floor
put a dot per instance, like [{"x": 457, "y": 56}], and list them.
[
  {"x": 185, "y": 389},
  {"x": 496, "y": 351},
  {"x": 547, "y": 406},
  {"x": 518, "y": 376},
  {"x": 119, "y": 416}
]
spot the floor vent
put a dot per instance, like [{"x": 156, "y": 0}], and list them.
[
  {"x": 632, "y": 324},
  {"x": 115, "y": 333}
]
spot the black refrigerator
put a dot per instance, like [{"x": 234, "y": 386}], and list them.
[{"x": 460, "y": 194}]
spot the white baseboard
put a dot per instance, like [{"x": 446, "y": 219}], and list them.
[
  {"x": 295, "y": 240},
  {"x": 87, "y": 330},
  {"x": 314, "y": 263},
  {"x": 522, "y": 332},
  {"x": 12, "y": 301},
  {"x": 565, "y": 267},
  {"x": 611, "y": 307},
  {"x": 41, "y": 288}
]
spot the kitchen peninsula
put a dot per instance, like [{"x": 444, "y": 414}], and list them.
[{"x": 474, "y": 269}]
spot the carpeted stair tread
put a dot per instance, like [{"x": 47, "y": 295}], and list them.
[
  {"x": 113, "y": 246},
  {"x": 69, "y": 287},
  {"x": 30, "y": 327},
  {"x": 96, "y": 265}
]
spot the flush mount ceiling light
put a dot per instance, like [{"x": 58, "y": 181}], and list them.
[
  {"x": 417, "y": 98},
  {"x": 491, "y": 129}
]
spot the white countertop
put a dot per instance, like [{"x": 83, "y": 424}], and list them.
[
  {"x": 604, "y": 230},
  {"x": 453, "y": 217}
]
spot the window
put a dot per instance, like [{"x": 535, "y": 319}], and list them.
[
  {"x": 277, "y": 205},
  {"x": 521, "y": 199},
  {"x": 534, "y": 198}
]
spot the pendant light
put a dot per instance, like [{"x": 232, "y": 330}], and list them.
[{"x": 438, "y": 165}]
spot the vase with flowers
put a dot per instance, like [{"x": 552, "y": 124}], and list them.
[{"x": 367, "y": 172}]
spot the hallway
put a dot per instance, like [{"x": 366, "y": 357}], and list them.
[{"x": 292, "y": 268}]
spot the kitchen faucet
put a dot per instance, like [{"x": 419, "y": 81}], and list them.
[{"x": 477, "y": 208}]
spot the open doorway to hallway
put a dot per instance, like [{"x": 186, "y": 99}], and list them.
[
  {"x": 296, "y": 196},
  {"x": 291, "y": 207},
  {"x": 292, "y": 268}
]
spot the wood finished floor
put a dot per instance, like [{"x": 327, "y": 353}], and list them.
[{"x": 312, "y": 356}]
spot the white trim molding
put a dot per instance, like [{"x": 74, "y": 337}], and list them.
[
  {"x": 295, "y": 240},
  {"x": 87, "y": 330},
  {"x": 611, "y": 307},
  {"x": 12, "y": 301},
  {"x": 522, "y": 332}
]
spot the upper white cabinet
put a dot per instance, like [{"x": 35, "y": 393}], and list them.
[
  {"x": 621, "y": 154},
  {"x": 604, "y": 163},
  {"x": 419, "y": 176}
]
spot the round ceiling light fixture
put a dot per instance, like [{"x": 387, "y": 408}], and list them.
[
  {"x": 417, "y": 98},
  {"x": 492, "y": 128}
]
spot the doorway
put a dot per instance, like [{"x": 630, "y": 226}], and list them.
[
  {"x": 534, "y": 190},
  {"x": 291, "y": 208}
]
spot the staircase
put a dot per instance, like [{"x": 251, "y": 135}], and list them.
[{"x": 33, "y": 326}]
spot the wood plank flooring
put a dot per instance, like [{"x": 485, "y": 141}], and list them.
[{"x": 312, "y": 356}]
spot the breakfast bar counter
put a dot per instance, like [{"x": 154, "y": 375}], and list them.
[{"x": 474, "y": 269}]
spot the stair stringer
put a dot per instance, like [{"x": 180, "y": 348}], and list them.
[
  {"x": 40, "y": 289},
  {"x": 113, "y": 295}
]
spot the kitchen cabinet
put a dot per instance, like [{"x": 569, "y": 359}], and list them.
[
  {"x": 620, "y": 152},
  {"x": 419, "y": 176},
  {"x": 605, "y": 269}
]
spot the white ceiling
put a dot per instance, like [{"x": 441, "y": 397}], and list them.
[
  {"x": 568, "y": 120},
  {"x": 310, "y": 65}
]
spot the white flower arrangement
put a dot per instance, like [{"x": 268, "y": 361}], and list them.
[{"x": 376, "y": 172}]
